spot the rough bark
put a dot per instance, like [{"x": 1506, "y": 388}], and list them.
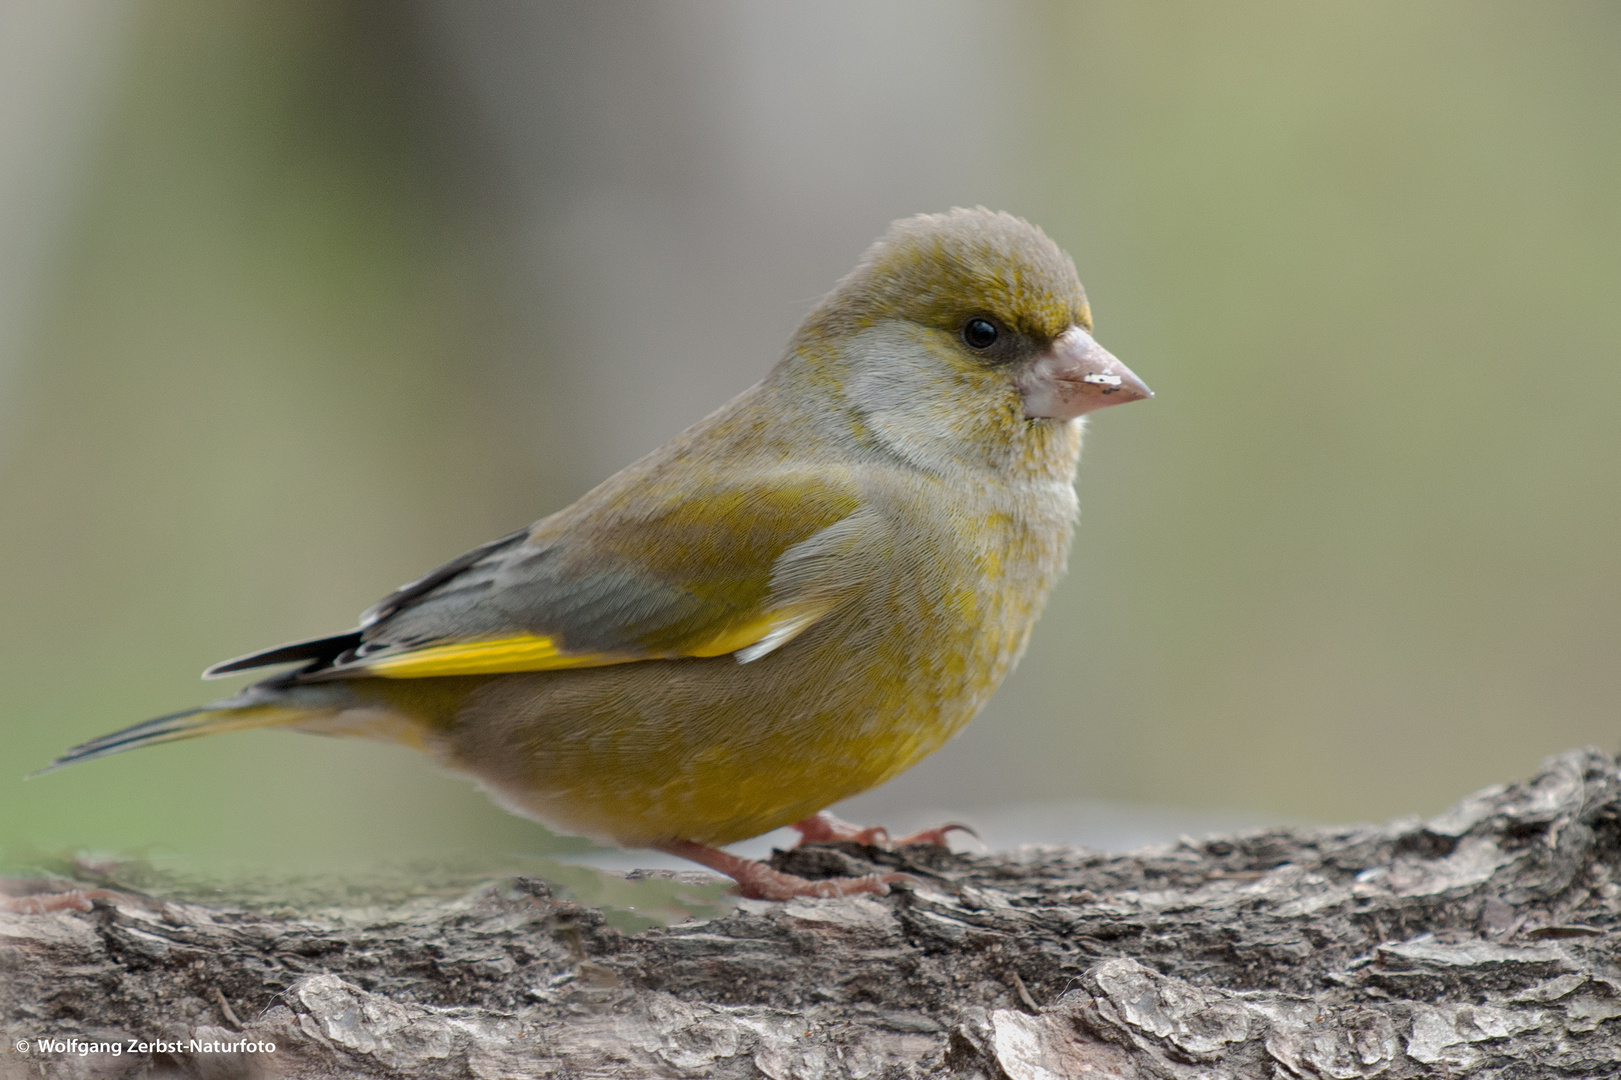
[{"x": 1479, "y": 943}]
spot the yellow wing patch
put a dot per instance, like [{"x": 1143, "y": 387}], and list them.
[
  {"x": 749, "y": 639},
  {"x": 528, "y": 652},
  {"x": 761, "y": 634}
]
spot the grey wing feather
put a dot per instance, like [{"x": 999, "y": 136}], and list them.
[
  {"x": 539, "y": 590},
  {"x": 410, "y": 591}
]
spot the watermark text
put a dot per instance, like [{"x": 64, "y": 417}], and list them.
[{"x": 119, "y": 1047}]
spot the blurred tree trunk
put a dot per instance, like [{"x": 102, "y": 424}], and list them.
[{"x": 1480, "y": 942}]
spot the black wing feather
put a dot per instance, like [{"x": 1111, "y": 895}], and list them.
[
  {"x": 321, "y": 650},
  {"x": 328, "y": 650}
]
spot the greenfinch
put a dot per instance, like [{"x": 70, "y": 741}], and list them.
[{"x": 790, "y": 602}]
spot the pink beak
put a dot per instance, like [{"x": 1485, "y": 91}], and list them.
[{"x": 1076, "y": 376}]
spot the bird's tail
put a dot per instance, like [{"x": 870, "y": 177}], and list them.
[{"x": 256, "y": 707}]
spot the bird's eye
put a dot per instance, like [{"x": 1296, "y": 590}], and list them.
[{"x": 979, "y": 333}]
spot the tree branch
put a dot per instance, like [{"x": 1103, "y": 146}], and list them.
[{"x": 1480, "y": 942}]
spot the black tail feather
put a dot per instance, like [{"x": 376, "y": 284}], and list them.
[
  {"x": 243, "y": 713},
  {"x": 158, "y": 729}
]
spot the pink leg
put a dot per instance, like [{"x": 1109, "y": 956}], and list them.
[
  {"x": 824, "y": 828},
  {"x": 758, "y": 881}
]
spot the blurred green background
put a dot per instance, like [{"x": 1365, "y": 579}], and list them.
[{"x": 300, "y": 299}]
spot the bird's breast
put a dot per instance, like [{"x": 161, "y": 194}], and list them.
[{"x": 955, "y": 606}]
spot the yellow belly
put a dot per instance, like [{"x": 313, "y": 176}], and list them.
[{"x": 709, "y": 750}]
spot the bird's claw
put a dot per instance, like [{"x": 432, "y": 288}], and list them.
[
  {"x": 824, "y": 828},
  {"x": 758, "y": 881},
  {"x": 936, "y": 836}
]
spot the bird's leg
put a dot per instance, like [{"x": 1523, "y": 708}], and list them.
[
  {"x": 824, "y": 828},
  {"x": 757, "y": 881}
]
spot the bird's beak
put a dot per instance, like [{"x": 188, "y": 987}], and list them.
[{"x": 1076, "y": 375}]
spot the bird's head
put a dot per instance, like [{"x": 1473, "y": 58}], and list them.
[{"x": 964, "y": 336}]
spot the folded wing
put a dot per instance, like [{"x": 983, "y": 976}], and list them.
[{"x": 740, "y": 568}]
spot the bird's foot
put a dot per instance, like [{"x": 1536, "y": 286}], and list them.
[
  {"x": 757, "y": 881},
  {"x": 824, "y": 828}
]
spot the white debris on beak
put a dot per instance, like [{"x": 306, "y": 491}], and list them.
[{"x": 1075, "y": 376}]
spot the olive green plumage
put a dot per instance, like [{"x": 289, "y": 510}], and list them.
[{"x": 790, "y": 602}]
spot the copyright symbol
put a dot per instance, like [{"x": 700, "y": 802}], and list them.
[{"x": 22, "y": 1046}]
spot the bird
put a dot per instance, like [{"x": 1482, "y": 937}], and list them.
[{"x": 792, "y": 601}]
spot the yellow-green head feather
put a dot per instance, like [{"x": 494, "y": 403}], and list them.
[{"x": 935, "y": 269}]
